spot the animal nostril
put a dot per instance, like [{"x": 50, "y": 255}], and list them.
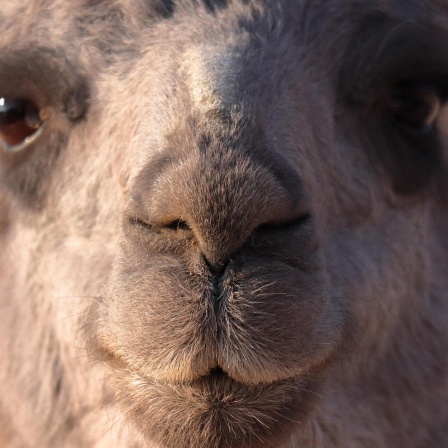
[
  {"x": 140, "y": 223},
  {"x": 285, "y": 226},
  {"x": 178, "y": 224}
]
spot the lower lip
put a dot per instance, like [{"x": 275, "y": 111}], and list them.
[{"x": 174, "y": 414}]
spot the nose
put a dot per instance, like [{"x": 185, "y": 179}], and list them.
[{"x": 225, "y": 189}]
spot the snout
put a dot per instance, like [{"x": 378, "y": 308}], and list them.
[{"x": 220, "y": 271}]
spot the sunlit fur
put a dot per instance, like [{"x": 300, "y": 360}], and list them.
[{"x": 221, "y": 239}]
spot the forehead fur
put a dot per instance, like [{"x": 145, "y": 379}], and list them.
[{"x": 111, "y": 23}]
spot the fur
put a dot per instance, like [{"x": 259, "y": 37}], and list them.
[{"x": 221, "y": 239}]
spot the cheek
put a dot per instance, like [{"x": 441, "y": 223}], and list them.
[
  {"x": 5, "y": 215},
  {"x": 382, "y": 276},
  {"x": 353, "y": 195}
]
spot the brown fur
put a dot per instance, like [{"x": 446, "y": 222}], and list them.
[{"x": 220, "y": 240}]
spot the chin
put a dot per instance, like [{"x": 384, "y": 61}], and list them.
[{"x": 215, "y": 411}]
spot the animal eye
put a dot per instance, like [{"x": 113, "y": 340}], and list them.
[
  {"x": 21, "y": 122},
  {"x": 415, "y": 106}
]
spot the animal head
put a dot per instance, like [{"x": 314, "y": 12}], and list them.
[{"x": 233, "y": 212}]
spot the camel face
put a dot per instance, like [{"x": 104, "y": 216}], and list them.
[{"x": 233, "y": 213}]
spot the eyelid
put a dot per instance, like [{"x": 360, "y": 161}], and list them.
[
  {"x": 46, "y": 76},
  {"x": 391, "y": 52}
]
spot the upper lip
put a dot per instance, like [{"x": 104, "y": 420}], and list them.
[{"x": 214, "y": 373}]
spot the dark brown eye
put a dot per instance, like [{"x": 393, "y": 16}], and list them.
[
  {"x": 416, "y": 106},
  {"x": 20, "y": 123}
]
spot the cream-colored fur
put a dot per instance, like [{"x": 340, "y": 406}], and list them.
[{"x": 222, "y": 238}]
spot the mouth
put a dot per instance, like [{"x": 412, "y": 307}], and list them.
[
  {"x": 246, "y": 375},
  {"x": 214, "y": 410},
  {"x": 217, "y": 374},
  {"x": 214, "y": 384}
]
